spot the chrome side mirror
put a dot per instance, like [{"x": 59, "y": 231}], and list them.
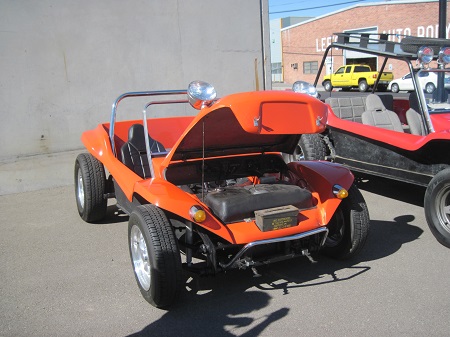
[
  {"x": 305, "y": 88},
  {"x": 201, "y": 94}
]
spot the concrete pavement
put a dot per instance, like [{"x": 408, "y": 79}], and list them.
[{"x": 60, "y": 276}]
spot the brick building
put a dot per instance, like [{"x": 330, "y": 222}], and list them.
[{"x": 303, "y": 44}]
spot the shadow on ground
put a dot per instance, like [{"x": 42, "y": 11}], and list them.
[
  {"x": 409, "y": 193},
  {"x": 228, "y": 303}
]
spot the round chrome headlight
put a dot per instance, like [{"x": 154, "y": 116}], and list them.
[
  {"x": 201, "y": 94},
  {"x": 425, "y": 54},
  {"x": 305, "y": 88},
  {"x": 444, "y": 55}
]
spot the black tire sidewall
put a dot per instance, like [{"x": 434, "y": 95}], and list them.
[
  {"x": 165, "y": 261},
  {"x": 312, "y": 146},
  {"x": 136, "y": 219},
  {"x": 355, "y": 215},
  {"x": 440, "y": 181},
  {"x": 94, "y": 186},
  {"x": 79, "y": 207}
]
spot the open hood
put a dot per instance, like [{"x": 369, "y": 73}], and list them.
[{"x": 253, "y": 122}]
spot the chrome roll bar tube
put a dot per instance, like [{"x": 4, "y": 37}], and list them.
[{"x": 135, "y": 94}]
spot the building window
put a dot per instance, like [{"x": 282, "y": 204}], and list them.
[
  {"x": 310, "y": 67},
  {"x": 276, "y": 68}
]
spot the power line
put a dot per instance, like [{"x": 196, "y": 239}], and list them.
[
  {"x": 317, "y": 7},
  {"x": 289, "y": 3}
]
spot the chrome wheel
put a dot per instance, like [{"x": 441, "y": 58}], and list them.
[
  {"x": 437, "y": 206},
  {"x": 139, "y": 256},
  {"x": 395, "y": 88},
  {"x": 363, "y": 86},
  {"x": 296, "y": 156},
  {"x": 90, "y": 188},
  {"x": 429, "y": 88},
  {"x": 442, "y": 205},
  {"x": 80, "y": 188}
]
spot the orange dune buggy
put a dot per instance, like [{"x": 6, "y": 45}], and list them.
[{"x": 215, "y": 189}]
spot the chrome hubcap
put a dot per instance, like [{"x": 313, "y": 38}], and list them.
[
  {"x": 298, "y": 154},
  {"x": 80, "y": 189},
  {"x": 443, "y": 208},
  {"x": 139, "y": 255}
]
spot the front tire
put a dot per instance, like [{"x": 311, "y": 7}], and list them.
[
  {"x": 155, "y": 256},
  {"x": 327, "y": 86},
  {"x": 349, "y": 227},
  {"x": 90, "y": 187},
  {"x": 437, "y": 207}
]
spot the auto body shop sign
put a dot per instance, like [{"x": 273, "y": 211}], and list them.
[{"x": 397, "y": 34}]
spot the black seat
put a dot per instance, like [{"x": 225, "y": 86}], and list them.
[{"x": 134, "y": 153}]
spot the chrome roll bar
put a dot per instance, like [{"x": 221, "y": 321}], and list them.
[
  {"x": 135, "y": 94},
  {"x": 147, "y": 140}
]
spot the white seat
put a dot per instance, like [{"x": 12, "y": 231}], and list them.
[
  {"x": 413, "y": 118},
  {"x": 377, "y": 115}
]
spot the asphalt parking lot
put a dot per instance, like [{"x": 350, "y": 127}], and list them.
[{"x": 61, "y": 276}]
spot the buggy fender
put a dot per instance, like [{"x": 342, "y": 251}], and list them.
[
  {"x": 320, "y": 177},
  {"x": 98, "y": 144},
  {"x": 170, "y": 198}
]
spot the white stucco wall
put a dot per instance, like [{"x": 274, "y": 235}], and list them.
[{"x": 63, "y": 62}]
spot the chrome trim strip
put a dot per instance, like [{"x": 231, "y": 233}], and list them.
[{"x": 275, "y": 240}]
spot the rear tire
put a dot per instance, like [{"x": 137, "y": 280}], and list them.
[
  {"x": 155, "y": 256},
  {"x": 362, "y": 86},
  {"x": 309, "y": 147},
  {"x": 90, "y": 187},
  {"x": 394, "y": 88},
  {"x": 437, "y": 206},
  {"x": 430, "y": 88},
  {"x": 349, "y": 227}
]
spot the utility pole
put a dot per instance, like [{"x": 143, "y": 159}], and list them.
[
  {"x": 440, "y": 93},
  {"x": 442, "y": 19}
]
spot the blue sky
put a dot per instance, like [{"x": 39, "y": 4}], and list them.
[{"x": 310, "y": 8}]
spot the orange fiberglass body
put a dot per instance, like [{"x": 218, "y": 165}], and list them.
[
  {"x": 236, "y": 115},
  {"x": 218, "y": 184}
]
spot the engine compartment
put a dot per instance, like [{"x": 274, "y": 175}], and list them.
[
  {"x": 235, "y": 203},
  {"x": 234, "y": 188},
  {"x": 216, "y": 171}
]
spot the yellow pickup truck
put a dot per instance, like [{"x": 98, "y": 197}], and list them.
[{"x": 356, "y": 76}]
